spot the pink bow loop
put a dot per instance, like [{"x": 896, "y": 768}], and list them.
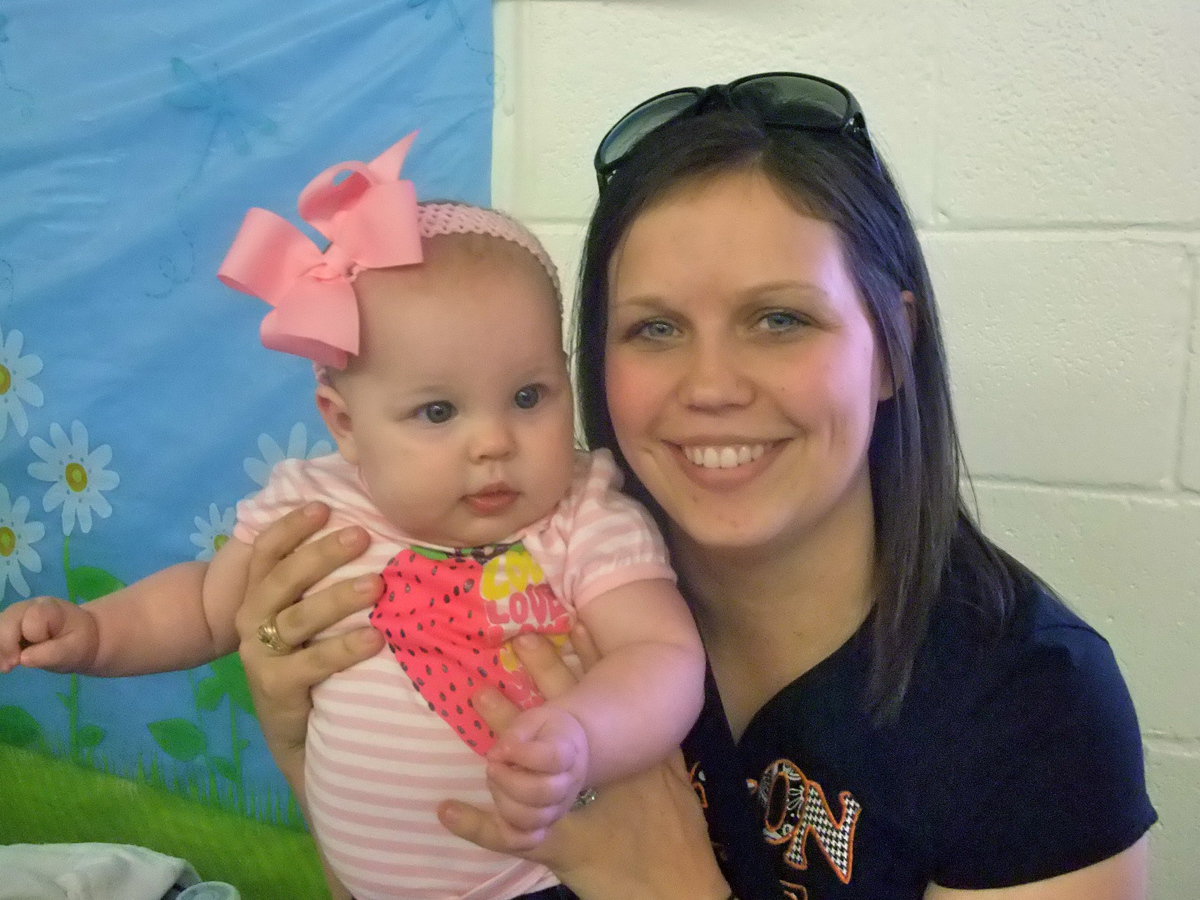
[
  {"x": 370, "y": 214},
  {"x": 371, "y": 220}
]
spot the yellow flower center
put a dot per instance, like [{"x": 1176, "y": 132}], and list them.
[
  {"x": 5, "y": 379},
  {"x": 8, "y": 541},
  {"x": 220, "y": 541},
  {"x": 77, "y": 479}
]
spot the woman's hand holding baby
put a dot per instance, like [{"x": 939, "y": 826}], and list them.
[
  {"x": 280, "y": 571},
  {"x": 47, "y": 633}
]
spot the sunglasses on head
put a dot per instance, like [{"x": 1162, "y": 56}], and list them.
[{"x": 787, "y": 100}]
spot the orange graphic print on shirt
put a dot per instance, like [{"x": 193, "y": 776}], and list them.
[
  {"x": 447, "y": 618},
  {"x": 798, "y": 818}
]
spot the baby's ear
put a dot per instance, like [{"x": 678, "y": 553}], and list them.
[{"x": 333, "y": 409}]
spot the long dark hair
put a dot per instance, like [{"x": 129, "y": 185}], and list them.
[{"x": 914, "y": 456}]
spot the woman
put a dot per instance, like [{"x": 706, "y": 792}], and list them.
[{"x": 915, "y": 713}]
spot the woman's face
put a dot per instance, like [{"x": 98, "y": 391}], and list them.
[{"x": 741, "y": 368}]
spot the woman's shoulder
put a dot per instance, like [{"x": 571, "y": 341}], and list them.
[
  {"x": 971, "y": 627},
  {"x": 1038, "y": 732}
]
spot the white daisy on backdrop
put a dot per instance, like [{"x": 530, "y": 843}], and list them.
[{"x": 77, "y": 476}]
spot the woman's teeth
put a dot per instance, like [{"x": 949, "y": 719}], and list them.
[{"x": 723, "y": 457}]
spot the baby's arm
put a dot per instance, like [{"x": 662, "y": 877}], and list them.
[
  {"x": 177, "y": 618},
  {"x": 627, "y": 713}
]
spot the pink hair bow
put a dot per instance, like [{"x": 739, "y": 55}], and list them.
[{"x": 370, "y": 218}]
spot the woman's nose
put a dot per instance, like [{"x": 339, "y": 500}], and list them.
[{"x": 715, "y": 377}]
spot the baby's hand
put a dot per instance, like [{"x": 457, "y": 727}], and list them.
[
  {"x": 537, "y": 768},
  {"x": 47, "y": 633}
]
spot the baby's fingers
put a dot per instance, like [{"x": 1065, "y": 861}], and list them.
[
  {"x": 539, "y": 756},
  {"x": 530, "y": 788},
  {"x": 10, "y": 635},
  {"x": 43, "y": 619}
]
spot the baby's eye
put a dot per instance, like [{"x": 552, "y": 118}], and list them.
[
  {"x": 528, "y": 397},
  {"x": 437, "y": 412}
]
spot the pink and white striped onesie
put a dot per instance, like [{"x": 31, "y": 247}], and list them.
[{"x": 379, "y": 756}]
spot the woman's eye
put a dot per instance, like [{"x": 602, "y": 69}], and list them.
[
  {"x": 655, "y": 329},
  {"x": 780, "y": 320},
  {"x": 528, "y": 397},
  {"x": 437, "y": 412}
]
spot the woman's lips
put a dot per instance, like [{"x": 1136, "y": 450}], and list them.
[{"x": 722, "y": 456}]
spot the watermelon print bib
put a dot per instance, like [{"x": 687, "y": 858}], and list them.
[{"x": 447, "y": 618}]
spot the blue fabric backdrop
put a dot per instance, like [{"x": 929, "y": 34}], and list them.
[{"x": 136, "y": 404}]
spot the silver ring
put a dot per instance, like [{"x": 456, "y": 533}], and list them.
[
  {"x": 268, "y": 634},
  {"x": 586, "y": 796}
]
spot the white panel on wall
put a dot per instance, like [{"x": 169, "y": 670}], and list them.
[
  {"x": 1057, "y": 376},
  {"x": 1073, "y": 111},
  {"x": 1190, "y": 464},
  {"x": 585, "y": 63},
  {"x": 1175, "y": 789}
]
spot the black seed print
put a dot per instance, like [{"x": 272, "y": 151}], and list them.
[
  {"x": 468, "y": 584},
  {"x": 456, "y": 590},
  {"x": 429, "y": 671},
  {"x": 407, "y": 590},
  {"x": 417, "y": 579},
  {"x": 459, "y": 710},
  {"x": 482, "y": 672},
  {"x": 445, "y": 669},
  {"x": 445, "y": 713},
  {"x": 461, "y": 730},
  {"x": 446, "y": 599},
  {"x": 431, "y": 706},
  {"x": 434, "y": 570},
  {"x": 442, "y": 695},
  {"x": 388, "y": 632}
]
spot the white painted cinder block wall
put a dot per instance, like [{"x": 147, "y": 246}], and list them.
[{"x": 1050, "y": 151}]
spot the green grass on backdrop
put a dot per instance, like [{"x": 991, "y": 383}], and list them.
[{"x": 44, "y": 800}]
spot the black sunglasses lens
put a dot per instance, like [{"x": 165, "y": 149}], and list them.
[
  {"x": 640, "y": 121},
  {"x": 793, "y": 100}
]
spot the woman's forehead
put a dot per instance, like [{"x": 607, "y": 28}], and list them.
[{"x": 737, "y": 226}]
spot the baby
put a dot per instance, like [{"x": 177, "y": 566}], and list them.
[{"x": 437, "y": 336}]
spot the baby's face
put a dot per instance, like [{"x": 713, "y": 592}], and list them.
[{"x": 458, "y": 410}]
